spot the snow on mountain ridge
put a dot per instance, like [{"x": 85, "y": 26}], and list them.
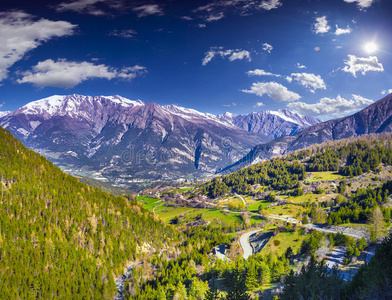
[
  {"x": 283, "y": 114},
  {"x": 182, "y": 112},
  {"x": 4, "y": 113},
  {"x": 64, "y": 104}
]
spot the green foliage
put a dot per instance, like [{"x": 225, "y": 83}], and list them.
[
  {"x": 358, "y": 157},
  {"x": 373, "y": 280},
  {"x": 178, "y": 277},
  {"x": 362, "y": 204},
  {"x": 212, "y": 293},
  {"x": 276, "y": 173},
  {"x": 238, "y": 289},
  {"x": 59, "y": 237},
  {"x": 326, "y": 160},
  {"x": 314, "y": 281}
]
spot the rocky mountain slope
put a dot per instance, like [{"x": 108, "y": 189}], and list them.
[
  {"x": 375, "y": 118},
  {"x": 271, "y": 123},
  {"x": 123, "y": 140}
]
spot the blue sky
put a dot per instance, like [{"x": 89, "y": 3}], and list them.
[{"x": 326, "y": 58}]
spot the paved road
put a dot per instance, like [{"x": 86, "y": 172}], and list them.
[
  {"x": 320, "y": 228},
  {"x": 244, "y": 242}
]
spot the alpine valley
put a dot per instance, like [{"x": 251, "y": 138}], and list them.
[{"x": 130, "y": 142}]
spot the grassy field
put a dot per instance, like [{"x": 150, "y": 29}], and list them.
[
  {"x": 255, "y": 205},
  {"x": 212, "y": 215},
  {"x": 167, "y": 213},
  {"x": 180, "y": 190},
  {"x": 319, "y": 176},
  {"x": 149, "y": 203},
  {"x": 286, "y": 240},
  {"x": 286, "y": 210}
]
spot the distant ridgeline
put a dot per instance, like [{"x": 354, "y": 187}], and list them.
[{"x": 60, "y": 237}]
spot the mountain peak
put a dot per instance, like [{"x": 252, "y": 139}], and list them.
[
  {"x": 273, "y": 123},
  {"x": 73, "y": 104}
]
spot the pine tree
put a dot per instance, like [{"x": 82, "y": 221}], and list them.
[
  {"x": 238, "y": 291},
  {"x": 212, "y": 293},
  {"x": 376, "y": 220}
]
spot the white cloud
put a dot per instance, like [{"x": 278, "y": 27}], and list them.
[
  {"x": 148, "y": 10},
  {"x": 259, "y": 104},
  {"x": 331, "y": 107},
  {"x": 289, "y": 79},
  {"x": 231, "y": 105},
  {"x": 67, "y": 74},
  {"x": 385, "y": 92},
  {"x": 231, "y": 54},
  {"x": 362, "y": 64},
  {"x": 240, "y": 55},
  {"x": 308, "y": 80},
  {"x": 299, "y": 66},
  {"x": 201, "y": 25},
  {"x": 261, "y": 72},
  {"x": 242, "y": 7},
  {"x": 21, "y": 32},
  {"x": 214, "y": 17},
  {"x": 127, "y": 33},
  {"x": 267, "y": 47},
  {"x": 274, "y": 90},
  {"x": 321, "y": 25},
  {"x": 88, "y": 6},
  {"x": 340, "y": 31},
  {"x": 361, "y": 3},
  {"x": 187, "y": 18},
  {"x": 270, "y": 4}
]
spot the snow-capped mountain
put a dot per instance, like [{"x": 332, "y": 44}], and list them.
[
  {"x": 125, "y": 140},
  {"x": 4, "y": 113},
  {"x": 271, "y": 123},
  {"x": 376, "y": 118}
]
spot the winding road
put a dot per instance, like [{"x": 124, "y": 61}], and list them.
[
  {"x": 244, "y": 239},
  {"x": 244, "y": 242}
]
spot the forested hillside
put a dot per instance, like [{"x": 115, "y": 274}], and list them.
[
  {"x": 349, "y": 157},
  {"x": 60, "y": 237}
]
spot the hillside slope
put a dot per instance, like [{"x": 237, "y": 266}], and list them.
[{"x": 59, "y": 237}]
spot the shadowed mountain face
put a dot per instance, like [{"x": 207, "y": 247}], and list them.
[{"x": 376, "y": 118}]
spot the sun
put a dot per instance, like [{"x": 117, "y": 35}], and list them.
[{"x": 370, "y": 47}]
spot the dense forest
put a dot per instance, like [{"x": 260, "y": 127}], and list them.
[
  {"x": 60, "y": 237},
  {"x": 276, "y": 173}
]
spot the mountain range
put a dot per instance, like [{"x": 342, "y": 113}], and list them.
[
  {"x": 375, "y": 118},
  {"x": 127, "y": 141}
]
